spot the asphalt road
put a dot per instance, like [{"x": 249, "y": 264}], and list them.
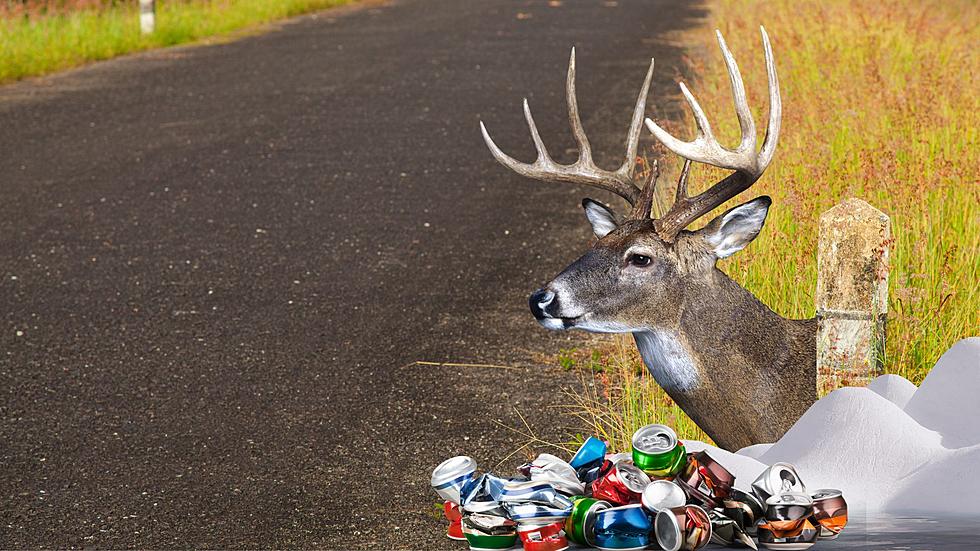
[{"x": 219, "y": 262}]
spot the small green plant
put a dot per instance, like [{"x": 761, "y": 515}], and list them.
[
  {"x": 595, "y": 362},
  {"x": 566, "y": 358}
]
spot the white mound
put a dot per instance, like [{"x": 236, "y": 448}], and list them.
[
  {"x": 754, "y": 451},
  {"x": 948, "y": 485},
  {"x": 853, "y": 440},
  {"x": 894, "y": 388},
  {"x": 889, "y": 447},
  {"x": 949, "y": 399}
]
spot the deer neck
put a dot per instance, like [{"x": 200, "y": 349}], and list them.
[{"x": 725, "y": 343}]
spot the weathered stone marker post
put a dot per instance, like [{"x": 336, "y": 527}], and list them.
[
  {"x": 147, "y": 16},
  {"x": 852, "y": 293}
]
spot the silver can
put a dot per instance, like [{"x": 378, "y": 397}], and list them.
[
  {"x": 662, "y": 494},
  {"x": 789, "y": 506},
  {"x": 727, "y": 532},
  {"x": 655, "y": 439},
  {"x": 632, "y": 477},
  {"x": 557, "y": 472},
  {"x": 451, "y": 476},
  {"x": 780, "y": 478},
  {"x": 745, "y": 509}
]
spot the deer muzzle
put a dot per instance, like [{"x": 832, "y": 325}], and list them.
[{"x": 542, "y": 303}]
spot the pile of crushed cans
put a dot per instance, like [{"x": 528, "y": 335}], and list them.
[{"x": 657, "y": 497}]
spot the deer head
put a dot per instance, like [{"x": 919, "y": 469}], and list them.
[{"x": 654, "y": 278}]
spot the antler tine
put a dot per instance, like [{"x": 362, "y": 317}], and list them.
[
  {"x": 775, "y": 106},
  {"x": 744, "y": 160},
  {"x": 543, "y": 156},
  {"x": 682, "y": 182},
  {"x": 633, "y": 137},
  {"x": 745, "y": 121},
  {"x": 584, "y": 148},
  {"x": 644, "y": 204},
  {"x": 583, "y": 170}
]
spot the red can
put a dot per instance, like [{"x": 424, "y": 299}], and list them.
[
  {"x": 543, "y": 537},
  {"x": 455, "y": 518},
  {"x": 704, "y": 480},
  {"x": 621, "y": 485}
]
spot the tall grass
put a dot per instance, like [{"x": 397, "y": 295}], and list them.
[
  {"x": 880, "y": 102},
  {"x": 43, "y": 37},
  {"x": 619, "y": 396}
]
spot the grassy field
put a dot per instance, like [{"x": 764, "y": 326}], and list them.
[
  {"x": 880, "y": 102},
  {"x": 48, "y": 36}
]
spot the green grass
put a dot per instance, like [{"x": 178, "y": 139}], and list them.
[
  {"x": 42, "y": 44},
  {"x": 880, "y": 103}
]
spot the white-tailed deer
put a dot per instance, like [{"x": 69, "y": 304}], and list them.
[{"x": 740, "y": 371}]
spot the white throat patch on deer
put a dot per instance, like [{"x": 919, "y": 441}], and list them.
[{"x": 669, "y": 362}]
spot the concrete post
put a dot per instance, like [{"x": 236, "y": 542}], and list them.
[
  {"x": 147, "y": 16},
  {"x": 852, "y": 294}
]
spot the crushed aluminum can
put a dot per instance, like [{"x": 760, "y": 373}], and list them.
[
  {"x": 657, "y": 451},
  {"x": 590, "y": 453},
  {"x": 452, "y": 476},
  {"x": 595, "y": 471},
  {"x": 771, "y": 537},
  {"x": 489, "y": 532},
  {"x": 745, "y": 509},
  {"x": 682, "y": 528},
  {"x": 542, "y": 537},
  {"x": 483, "y": 496},
  {"x": 589, "y": 473},
  {"x": 829, "y": 512},
  {"x": 530, "y": 491},
  {"x": 705, "y": 480},
  {"x": 780, "y": 478},
  {"x": 557, "y": 472},
  {"x": 535, "y": 502},
  {"x": 789, "y": 506},
  {"x": 788, "y": 520},
  {"x": 623, "y": 528},
  {"x": 621, "y": 485},
  {"x": 524, "y": 513},
  {"x": 454, "y": 516},
  {"x": 662, "y": 494},
  {"x": 580, "y": 525},
  {"x": 726, "y": 532}
]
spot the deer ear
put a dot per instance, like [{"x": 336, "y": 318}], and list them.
[
  {"x": 602, "y": 219},
  {"x": 732, "y": 231}
]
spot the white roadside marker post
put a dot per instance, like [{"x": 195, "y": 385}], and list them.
[
  {"x": 147, "y": 16},
  {"x": 852, "y": 294}
]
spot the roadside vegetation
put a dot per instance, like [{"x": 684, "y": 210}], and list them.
[
  {"x": 43, "y": 36},
  {"x": 880, "y": 103}
]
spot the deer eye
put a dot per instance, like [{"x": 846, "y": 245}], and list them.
[{"x": 639, "y": 260}]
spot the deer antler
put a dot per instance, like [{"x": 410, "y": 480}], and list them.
[
  {"x": 584, "y": 170},
  {"x": 744, "y": 160}
]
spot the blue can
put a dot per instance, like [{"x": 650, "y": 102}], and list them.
[
  {"x": 591, "y": 451},
  {"x": 625, "y": 528}
]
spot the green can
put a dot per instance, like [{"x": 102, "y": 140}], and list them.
[
  {"x": 486, "y": 533},
  {"x": 579, "y": 525},
  {"x": 657, "y": 451}
]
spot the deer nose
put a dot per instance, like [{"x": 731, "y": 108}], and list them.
[{"x": 540, "y": 300}]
